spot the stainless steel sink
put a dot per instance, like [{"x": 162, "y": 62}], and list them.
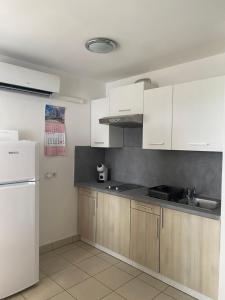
[
  {"x": 204, "y": 203},
  {"x": 207, "y": 203}
]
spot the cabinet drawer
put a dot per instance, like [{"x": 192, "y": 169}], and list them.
[
  {"x": 88, "y": 192},
  {"x": 146, "y": 207}
]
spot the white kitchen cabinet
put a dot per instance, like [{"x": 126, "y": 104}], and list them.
[
  {"x": 198, "y": 114},
  {"x": 157, "y": 121},
  {"x": 103, "y": 135},
  {"x": 127, "y": 100}
]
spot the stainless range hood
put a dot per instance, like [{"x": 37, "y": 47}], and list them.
[{"x": 129, "y": 121}]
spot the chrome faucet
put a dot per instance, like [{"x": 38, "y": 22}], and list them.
[{"x": 191, "y": 195}]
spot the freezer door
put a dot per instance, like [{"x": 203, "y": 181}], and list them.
[
  {"x": 18, "y": 161},
  {"x": 19, "y": 237}
]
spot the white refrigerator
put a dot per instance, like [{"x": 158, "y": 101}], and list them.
[{"x": 19, "y": 216}]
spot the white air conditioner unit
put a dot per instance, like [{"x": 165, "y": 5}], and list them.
[{"x": 25, "y": 80}]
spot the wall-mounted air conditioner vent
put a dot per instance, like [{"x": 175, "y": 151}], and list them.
[{"x": 15, "y": 78}]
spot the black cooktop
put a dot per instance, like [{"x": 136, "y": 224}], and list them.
[{"x": 123, "y": 187}]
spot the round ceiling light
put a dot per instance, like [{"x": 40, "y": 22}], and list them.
[{"x": 101, "y": 45}]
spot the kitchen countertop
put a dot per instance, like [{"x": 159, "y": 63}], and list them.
[{"x": 140, "y": 194}]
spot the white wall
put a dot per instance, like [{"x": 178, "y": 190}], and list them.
[
  {"x": 58, "y": 202},
  {"x": 194, "y": 70},
  {"x": 71, "y": 85}
]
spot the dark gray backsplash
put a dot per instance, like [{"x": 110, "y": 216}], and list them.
[
  {"x": 153, "y": 167},
  {"x": 86, "y": 160},
  {"x": 132, "y": 137},
  {"x": 179, "y": 168}
]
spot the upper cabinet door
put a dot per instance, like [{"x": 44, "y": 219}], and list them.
[
  {"x": 103, "y": 136},
  {"x": 157, "y": 122},
  {"x": 99, "y": 132},
  {"x": 127, "y": 100},
  {"x": 198, "y": 113}
]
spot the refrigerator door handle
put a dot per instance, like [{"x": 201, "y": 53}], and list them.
[{"x": 17, "y": 185}]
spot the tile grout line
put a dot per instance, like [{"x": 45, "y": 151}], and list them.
[
  {"x": 51, "y": 296},
  {"x": 93, "y": 276},
  {"x": 117, "y": 287},
  {"x": 156, "y": 295},
  {"x": 49, "y": 277},
  {"x": 66, "y": 290}
]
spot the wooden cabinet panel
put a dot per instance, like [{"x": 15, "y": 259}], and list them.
[
  {"x": 157, "y": 121},
  {"x": 198, "y": 113},
  {"x": 127, "y": 100},
  {"x": 145, "y": 239},
  {"x": 113, "y": 223},
  {"x": 87, "y": 214},
  {"x": 189, "y": 251},
  {"x": 138, "y": 236},
  {"x": 87, "y": 192},
  {"x": 150, "y": 208},
  {"x": 152, "y": 241}
]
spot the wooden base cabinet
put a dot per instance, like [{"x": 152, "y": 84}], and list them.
[
  {"x": 87, "y": 213},
  {"x": 189, "y": 251},
  {"x": 181, "y": 246},
  {"x": 113, "y": 223},
  {"x": 145, "y": 239}
]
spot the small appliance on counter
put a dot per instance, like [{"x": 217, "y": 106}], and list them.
[
  {"x": 166, "y": 192},
  {"x": 102, "y": 172}
]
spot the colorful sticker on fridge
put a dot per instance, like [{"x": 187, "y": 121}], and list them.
[{"x": 54, "y": 130}]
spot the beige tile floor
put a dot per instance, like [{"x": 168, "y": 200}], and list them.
[{"x": 81, "y": 272}]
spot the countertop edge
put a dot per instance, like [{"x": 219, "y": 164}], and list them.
[{"x": 133, "y": 195}]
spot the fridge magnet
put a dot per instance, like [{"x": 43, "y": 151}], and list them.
[{"x": 54, "y": 130}]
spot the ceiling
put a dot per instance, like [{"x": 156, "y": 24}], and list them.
[{"x": 152, "y": 34}]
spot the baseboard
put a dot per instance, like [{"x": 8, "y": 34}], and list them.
[
  {"x": 170, "y": 282},
  {"x": 57, "y": 244}
]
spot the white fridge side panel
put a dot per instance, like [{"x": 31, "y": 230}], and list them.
[
  {"x": 19, "y": 237},
  {"x": 18, "y": 161}
]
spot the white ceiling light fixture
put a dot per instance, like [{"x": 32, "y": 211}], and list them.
[{"x": 101, "y": 45}]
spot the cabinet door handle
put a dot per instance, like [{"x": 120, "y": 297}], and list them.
[
  {"x": 162, "y": 221},
  {"x": 157, "y": 233},
  {"x": 160, "y": 143},
  {"x": 124, "y": 110},
  {"x": 98, "y": 143},
  {"x": 94, "y": 207},
  {"x": 199, "y": 144}
]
